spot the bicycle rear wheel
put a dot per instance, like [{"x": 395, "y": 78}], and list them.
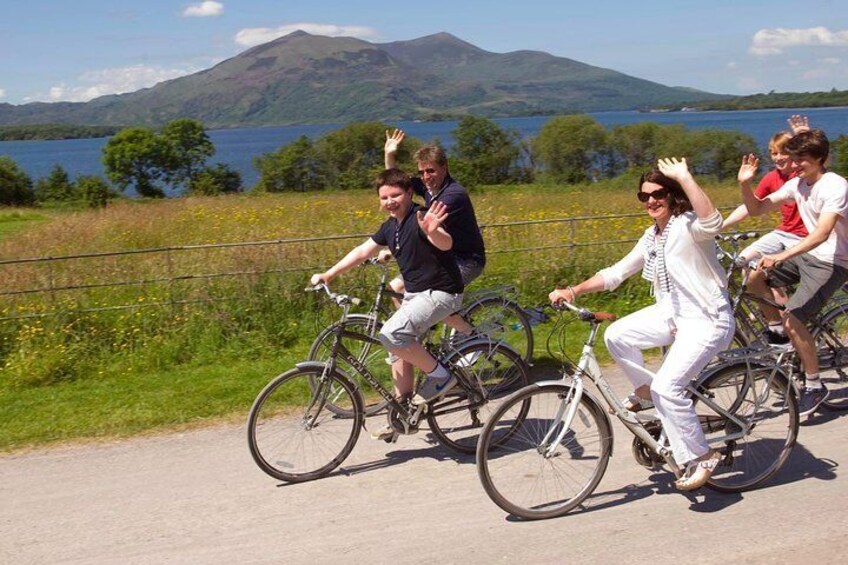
[
  {"x": 490, "y": 374},
  {"x": 502, "y": 320},
  {"x": 292, "y": 433},
  {"x": 523, "y": 472},
  {"x": 370, "y": 354},
  {"x": 832, "y": 345},
  {"x": 764, "y": 401}
]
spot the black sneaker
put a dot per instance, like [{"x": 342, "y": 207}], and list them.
[{"x": 810, "y": 399}]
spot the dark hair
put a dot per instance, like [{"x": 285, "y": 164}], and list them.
[
  {"x": 678, "y": 202},
  {"x": 812, "y": 143},
  {"x": 431, "y": 154},
  {"x": 393, "y": 177}
]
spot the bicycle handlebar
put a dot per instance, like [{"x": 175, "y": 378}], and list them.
[
  {"x": 583, "y": 313},
  {"x": 340, "y": 299}
]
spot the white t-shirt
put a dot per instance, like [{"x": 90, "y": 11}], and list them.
[{"x": 828, "y": 194}]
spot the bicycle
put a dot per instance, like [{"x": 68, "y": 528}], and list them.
[
  {"x": 306, "y": 421},
  {"x": 490, "y": 312},
  {"x": 549, "y": 457},
  {"x": 829, "y": 327}
]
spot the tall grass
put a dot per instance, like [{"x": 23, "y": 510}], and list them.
[{"x": 190, "y": 347}]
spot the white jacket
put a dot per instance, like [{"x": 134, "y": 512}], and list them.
[{"x": 690, "y": 259}]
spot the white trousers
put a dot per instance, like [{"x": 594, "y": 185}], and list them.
[{"x": 696, "y": 341}]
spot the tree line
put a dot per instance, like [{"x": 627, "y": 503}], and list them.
[{"x": 568, "y": 150}]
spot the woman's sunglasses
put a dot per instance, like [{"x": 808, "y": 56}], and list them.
[{"x": 658, "y": 194}]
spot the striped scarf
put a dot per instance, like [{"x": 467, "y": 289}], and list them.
[{"x": 655, "y": 264}]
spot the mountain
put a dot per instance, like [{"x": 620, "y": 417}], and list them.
[{"x": 303, "y": 78}]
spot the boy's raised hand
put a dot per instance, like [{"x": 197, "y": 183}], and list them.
[
  {"x": 798, "y": 123},
  {"x": 674, "y": 168},
  {"x": 393, "y": 140},
  {"x": 748, "y": 168},
  {"x": 434, "y": 218}
]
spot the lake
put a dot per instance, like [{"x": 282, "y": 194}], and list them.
[{"x": 237, "y": 147}]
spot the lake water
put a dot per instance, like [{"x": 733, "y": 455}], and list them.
[{"x": 238, "y": 147}]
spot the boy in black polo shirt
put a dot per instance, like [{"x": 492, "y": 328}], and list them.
[{"x": 421, "y": 247}]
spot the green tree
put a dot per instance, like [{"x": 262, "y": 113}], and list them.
[
  {"x": 485, "y": 153},
  {"x": 56, "y": 187},
  {"x": 136, "y": 156},
  {"x": 219, "y": 179},
  {"x": 353, "y": 154},
  {"x": 187, "y": 147},
  {"x": 717, "y": 152},
  {"x": 568, "y": 148},
  {"x": 94, "y": 191},
  {"x": 295, "y": 167},
  {"x": 839, "y": 155},
  {"x": 15, "y": 184}
]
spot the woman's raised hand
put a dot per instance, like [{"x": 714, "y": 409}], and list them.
[
  {"x": 798, "y": 123},
  {"x": 748, "y": 168},
  {"x": 393, "y": 140},
  {"x": 674, "y": 168}
]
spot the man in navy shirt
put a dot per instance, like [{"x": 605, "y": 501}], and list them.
[
  {"x": 422, "y": 248},
  {"x": 436, "y": 185}
]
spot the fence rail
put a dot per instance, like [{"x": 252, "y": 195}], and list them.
[{"x": 48, "y": 286}]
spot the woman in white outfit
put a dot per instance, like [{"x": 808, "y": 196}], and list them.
[{"x": 692, "y": 314}]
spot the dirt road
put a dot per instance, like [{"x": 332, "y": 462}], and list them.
[{"x": 198, "y": 498}]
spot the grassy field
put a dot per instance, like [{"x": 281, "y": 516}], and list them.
[{"x": 198, "y": 350}]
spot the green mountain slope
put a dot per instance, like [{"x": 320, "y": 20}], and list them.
[{"x": 302, "y": 78}]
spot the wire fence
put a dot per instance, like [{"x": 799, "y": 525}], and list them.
[{"x": 180, "y": 275}]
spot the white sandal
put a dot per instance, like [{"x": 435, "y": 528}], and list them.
[
  {"x": 636, "y": 403},
  {"x": 698, "y": 472}
]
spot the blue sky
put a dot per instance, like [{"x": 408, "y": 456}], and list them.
[{"x": 77, "y": 50}]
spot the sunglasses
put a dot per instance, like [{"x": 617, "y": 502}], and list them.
[
  {"x": 658, "y": 194},
  {"x": 429, "y": 171}
]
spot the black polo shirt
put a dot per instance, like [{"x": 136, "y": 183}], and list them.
[
  {"x": 422, "y": 265},
  {"x": 461, "y": 223}
]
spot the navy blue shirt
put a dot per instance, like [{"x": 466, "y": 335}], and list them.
[
  {"x": 422, "y": 265},
  {"x": 461, "y": 223}
]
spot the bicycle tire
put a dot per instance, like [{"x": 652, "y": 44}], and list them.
[
  {"x": 281, "y": 441},
  {"x": 503, "y": 320},
  {"x": 369, "y": 354},
  {"x": 833, "y": 357},
  {"x": 457, "y": 418},
  {"x": 773, "y": 423},
  {"x": 517, "y": 474}
]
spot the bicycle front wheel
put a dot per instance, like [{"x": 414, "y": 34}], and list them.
[
  {"x": 370, "y": 354},
  {"x": 759, "y": 399},
  {"x": 832, "y": 345},
  {"x": 293, "y": 434},
  {"x": 502, "y": 320},
  {"x": 488, "y": 374},
  {"x": 526, "y": 471}
]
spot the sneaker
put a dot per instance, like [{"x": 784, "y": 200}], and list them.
[
  {"x": 468, "y": 359},
  {"x": 433, "y": 389},
  {"x": 385, "y": 433},
  {"x": 810, "y": 399}
]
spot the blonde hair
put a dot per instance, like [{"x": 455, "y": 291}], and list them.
[{"x": 778, "y": 141}]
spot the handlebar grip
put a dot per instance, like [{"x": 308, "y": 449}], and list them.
[{"x": 356, "y": 301}]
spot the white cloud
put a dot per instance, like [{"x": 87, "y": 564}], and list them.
[
  {"x": 258, "y": 35},
  {"x": 831, "y": 60},
  {"x": 731, "y": 65},
  {"x": 204, "y": 9},
  {"x": 774, "y": 41},
  {"x": 113, "y": 81},
  {"x": 2, "y": 93}
]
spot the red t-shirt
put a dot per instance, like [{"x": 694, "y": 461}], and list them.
[{"x": 791, "y": 221}]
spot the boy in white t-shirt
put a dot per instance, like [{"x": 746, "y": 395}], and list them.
[{"x": 819, "y": 262}]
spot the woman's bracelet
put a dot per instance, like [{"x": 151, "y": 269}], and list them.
[{"x": 573, "y": 294}]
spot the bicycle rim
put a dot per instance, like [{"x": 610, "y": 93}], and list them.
[
  {"x": 369, "y": 354},
  {"x": 523, "y": 474},
  {"x": 766, "y": 402},
  {"x": 504, "y": 321},
  {"x": 833, "y": 358},
  {"x": 292, "y": 434},
  {"x": 497, "y": 371}
]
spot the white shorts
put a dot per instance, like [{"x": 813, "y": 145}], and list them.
[{"x": 771, "y": 243}]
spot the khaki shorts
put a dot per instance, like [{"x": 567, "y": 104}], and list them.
[
  {"x": 817, "y": 281},
  {"x": 418, "y": 312}
]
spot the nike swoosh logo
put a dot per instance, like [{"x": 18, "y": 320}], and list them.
[{"x": 442, "y": 387}]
